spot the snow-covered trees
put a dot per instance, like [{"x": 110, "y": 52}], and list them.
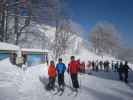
[
  {"x": 105, "y": 38},
  {"x": 126, "y": 54},
  {"x": 62, "y": 36},
  {"x": 13, "y": 11}
]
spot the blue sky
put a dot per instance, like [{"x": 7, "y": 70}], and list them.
[{"x": 118, "y": 12}]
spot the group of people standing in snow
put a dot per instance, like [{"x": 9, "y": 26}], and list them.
[
  {"x": 75, "y": 66},
  {"x": 116, "y": 66},
  {"x": 59, "y": 70}
]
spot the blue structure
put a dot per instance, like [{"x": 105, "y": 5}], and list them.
[
  {"x": 34, "y": 57},
  {"x": 8, "y": 50},
  {"x": 4, "y": 55}
]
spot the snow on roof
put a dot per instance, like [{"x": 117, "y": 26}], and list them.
[
  {"x": 7, "y": 46},
  {"x": 33, "y": 50}
]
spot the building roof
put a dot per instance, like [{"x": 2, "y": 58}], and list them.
[
  {"x": 8, "y": 47},
  {"x": 34, "y": 50}
]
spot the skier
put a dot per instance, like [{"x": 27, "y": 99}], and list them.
[
  {"x": 97, "y": 65},
  {"x": 60, "y": 67},
  {"x": 125, "y": 70},
  {"x": 116, "y": 66},
  {"x": 88, "y": 67},
  {"x": 73, "y": 71},
  {"x": 93, "y": 65},
  {"x": 101, "y": 65},
  {"x": 52, "y": 76},
  {"x": 112, "y": 65},
  {"x": 120, "y": 71},
  {"x": 82, "y": 67},
  {"x": 106, "y": 66}
]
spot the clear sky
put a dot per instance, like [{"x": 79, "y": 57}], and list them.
[{"x": 118, "y": 12}]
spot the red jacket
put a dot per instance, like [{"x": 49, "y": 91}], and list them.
[
  {"x": 73, "y": 67},
  {"x": 52, "y": 71}
]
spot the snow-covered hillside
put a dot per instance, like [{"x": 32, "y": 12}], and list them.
[
  {"x": 16, "y": 84},
  {"x": 41, "y": 36}
]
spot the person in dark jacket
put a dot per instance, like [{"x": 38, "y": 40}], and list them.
[
  {"x": 93, "y": 65},
  {"x": 116, "y": 66},
  {"x": 60, "y": 68},
  {"x": 73, "y": 71},
  {"x": 106, "y": 66},
  {"x": 101, "y": 65},
  {"x": 120, "y": 71},
  {"x": 125, "y": 70}
]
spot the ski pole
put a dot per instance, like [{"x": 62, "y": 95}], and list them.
[
  {"x": 80, "y": 83},
  {"x": 70, "y": 81}
]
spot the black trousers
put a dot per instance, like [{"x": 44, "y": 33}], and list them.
[
  {"x": 126, "y": 76},
  {"x": 51, "y": 83},
  {"x": 61, "y": 79},
  {"x": 74, "y": 78},
  {"x": 120, "y": 75}
]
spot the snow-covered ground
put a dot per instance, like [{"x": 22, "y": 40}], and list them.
[{"x": 16, "y": 84}]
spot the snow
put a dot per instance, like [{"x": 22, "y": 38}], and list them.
[
  {"x": 48, "y": 30},
  {"x": 6, "y": 46},
  {"x": 16, "y": 84}
]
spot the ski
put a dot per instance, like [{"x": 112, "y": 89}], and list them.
[
  {"x": 76, "y": 94},
  {"x": 61, "y": 93},
  {"x": 56, "y": 92},
  {"x": 73, "y": 94}
]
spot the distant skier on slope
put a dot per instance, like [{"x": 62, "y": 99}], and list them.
[
  {"x": 116, "y": 66},
  {"x": 73, "y": 71},
  {"x": 88, "y": 67},
  {"x": 93, "y": 65},
  {"x": 52, "y": 76},
  {"x": 106, "y": 66},
  {"x": 61, "y": 68},
  {"x": 101, "y": 65},
  {"x": 82, "y": 67},
  {"x": 120, "y": 71},
  {"x": 125, "y": 71}
]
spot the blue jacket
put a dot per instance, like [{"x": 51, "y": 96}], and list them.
[{"x": 60, "y": 67}]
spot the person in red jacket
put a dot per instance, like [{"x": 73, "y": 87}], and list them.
[
  {"x": 83, "y": 67},
  {"x": 52, "y": 75},
  {"x": 73, "y": 71}
]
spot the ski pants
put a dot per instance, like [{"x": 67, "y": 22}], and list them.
[
  {"x": 126, "y": 76},
  {"x": 74, "y": 78},
  {"x": 61, "y": 79},
  {"x": 120, "y": 75},
  {"x": 51, "y": 83}
]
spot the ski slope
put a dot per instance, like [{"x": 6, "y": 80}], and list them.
[{"x": 16, "y": 84}]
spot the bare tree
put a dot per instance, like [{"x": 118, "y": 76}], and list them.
[
  {"x": 105, "y": 38},
  {"x": 2, "y": 19},
  {"x": 11, "y": 10},
  {"x": 62, "y": 36}
]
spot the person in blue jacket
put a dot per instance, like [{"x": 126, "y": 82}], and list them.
[{"x": 61, "y": 68}]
